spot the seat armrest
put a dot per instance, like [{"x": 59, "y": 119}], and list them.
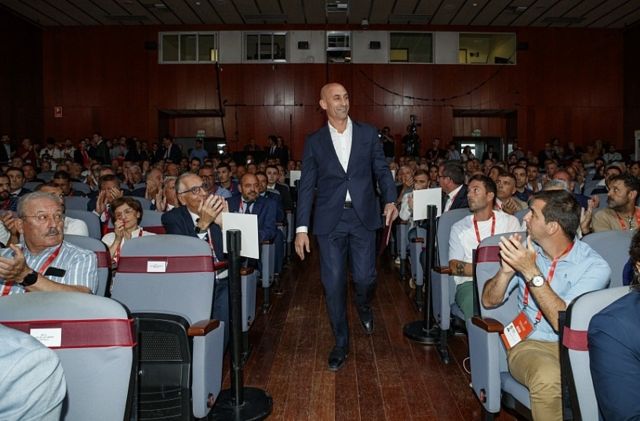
[
  {"x": 266, "y": 242},
  {"x": 202, "y": 327},
  {"x": 220, "y": 265},
  {"x": 401, "y": 221},
  {"x": 443, "y": 270},
  {"x": 488, "y": 325},
  {"x": 417, "y": 240}
]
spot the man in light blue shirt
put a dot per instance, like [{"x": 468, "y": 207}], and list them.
[{"x": 549, "y": 271}]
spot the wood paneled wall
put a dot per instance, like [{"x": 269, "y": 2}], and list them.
[{"x": 567, "y": 84}]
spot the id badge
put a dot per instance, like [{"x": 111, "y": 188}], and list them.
[{"x": 516, "y": 331}]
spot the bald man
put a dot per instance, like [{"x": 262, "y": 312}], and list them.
[{"x": 340, "y": 163}]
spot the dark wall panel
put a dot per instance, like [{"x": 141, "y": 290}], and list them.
[{"x": 568, "y": 84}]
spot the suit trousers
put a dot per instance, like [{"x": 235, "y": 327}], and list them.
[
  {"x": 349, "y": 240},
  {"x": 536, "y": 364},
  {"x": 220, "y": 309}
]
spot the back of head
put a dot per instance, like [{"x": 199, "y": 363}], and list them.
[{"x": 561, "y": 207}]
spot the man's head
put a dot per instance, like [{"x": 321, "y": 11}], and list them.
[
  {"x": 550, "y": 168},
  {"x": 521, "y": 177},
  {"x": 249, "y": 187},
  {"x": 552, "y": 213},
  {"x": 208, "y": 175},
  {"x": 334, "y": 99},
  {"x": 41, "y": 220},
  {"x": 51, "y": 188},
  {"x": 135, "y": 174},
  {"x": 610, "y": 172},
  {"x": 224, "y": 173},
  {"x": 108, "y": 182},
  {"x": 252, "y": 168},
  {"x": 191, "y": 191},
  {"x": 62, "y": 179},
  {"x": 172, "y": 169},
  {"x": 420, "y": 180},
  {"x": 194, "y": 165},
  {"x": 29, "y": 172},
  {"x": 167, "y": 141},
  {"x": 532, "y": 173},
  {"x": 272, "y": 174},
  {"x": 16, "y": 178},
  {"x": 506, "y": 186},
  {"x": 262, "y": 182},
  {"x": 481, "y": 193},
  {"x": 5, "y": 188},
  {"x": 169, "y": 188},
  {"x": 623, "y": 192},
  {"x": 450, "y": 176},
  {"x": 564, "y": 176}
]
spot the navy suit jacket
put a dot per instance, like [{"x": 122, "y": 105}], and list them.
[
  {"x": 322, "y": 172},
  {"x": 178, "y": 221},
  {"x": 265, "y": 209},
  {"x": 614, "y": 357},
  {"x": 275, "y": 197},
  {"x": 459, "y": 202}
]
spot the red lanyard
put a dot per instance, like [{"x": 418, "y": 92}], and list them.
[
  {"x": 622, "y": 223},
  {"x": 552, "y": 271},
  {"x": 116, "y": 255},
  {"x": 45, "y": 265},
  {"x": 493, "y": 226}
]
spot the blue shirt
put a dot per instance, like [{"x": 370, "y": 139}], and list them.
[
  {"x": 201, "y": 154},
  {"x": 580, "y": 271}
]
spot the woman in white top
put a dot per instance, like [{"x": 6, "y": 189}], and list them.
[{"x": 126, "y": 214}]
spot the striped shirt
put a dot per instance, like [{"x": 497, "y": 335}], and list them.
[{"x": 80, "y": 266}]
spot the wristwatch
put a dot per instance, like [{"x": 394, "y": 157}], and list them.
[
  {"x": 537, "y": 281},
  {"x": 30, "y": 279}
]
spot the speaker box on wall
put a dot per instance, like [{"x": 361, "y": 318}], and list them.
[
  {"x": 303, "y": 45},
  {"x": 374, "y": 45},
  {"x": 150, "y": 45}
]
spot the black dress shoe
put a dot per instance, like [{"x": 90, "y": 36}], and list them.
[
  {"x": 366, "y": 319},
  {"x": 337, "y": 358}
]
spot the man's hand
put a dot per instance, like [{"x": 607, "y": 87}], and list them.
[
  {"x": 225, "y": 208},
  {"x": 101, "y": 202},
  {"x": 593, "y": 202},
  {"x": 14, "y": 269},
  {"x": 210, "y": 209},
  {"x": 390, "y": 214},
  {"x": 518, "y": 257},
  {"x": 11, "y": 224},
  {"x": 302, "y": 244},
  {"x": 509, "y": 206},
  {"x": 115, "y": 193}
]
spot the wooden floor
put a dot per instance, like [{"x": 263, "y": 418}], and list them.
[{"x": 386, "y": 377}]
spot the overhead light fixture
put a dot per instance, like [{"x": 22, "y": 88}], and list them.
[{"x": 337, "y": 6}]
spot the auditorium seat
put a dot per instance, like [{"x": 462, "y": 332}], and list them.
[
  {"x": 76, "y": 202},
  {"x": 31, "y": 185},
  {"x": 613, "y": 246},
  {"x": 167, "y": 282},
  {"x": 91, "y": 219},
  {"x": 81, "y": 187},
  {"x": 103, "y": 256},
  {"x": 93, "y": 338},
  {"x": 574, "y": 351}
]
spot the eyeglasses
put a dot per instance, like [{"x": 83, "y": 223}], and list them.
[
  {"x": 43, "y": 218},
  {"x": 196, "y": 189},
  {"x": 125, "y": 212}
]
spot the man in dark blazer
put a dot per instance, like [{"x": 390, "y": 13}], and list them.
[
  {"x": 251, "y": 202},
  {"x": 169, "y": 151},
  {"x": 200, "y": 215},
  {"x": 340, "y": 162},
  {"x": 454, "y": 191}
]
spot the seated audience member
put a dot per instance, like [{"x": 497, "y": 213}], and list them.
[
  {"x": 549, "y": 271},
  {"x": 45, "y": 262},
  {"x": 169, "y": 152},
  {"x": 153, "y": 185},
  {"x": 251, "y": 202},
  {"x": 564, "y": 176},
  {"x": 208, "y": 175},
  {"x": 168, "y": 199},
  {"x": 30, "y": 174},
  {"x": 507, "y": 201},
  {"x": 16, "y": 181},
  {"x": 603, "y": 185},
  {"x": 72, "y": 226},
  {"x": 614, "y": 352},
  {"x": 7, "y": 201},
  {"x": 126, "y": 214},
  {"x": 467, "y": 233},
  {"x": 109, "y": 191},
  {"x": 281, "y": 218},
  {"x": 621, "y": 212},
  {"x": 533, "y": 175},
  {"x": 273, "y": 174},
  {"x": 405, "y": 177},
  {"x": 420, "y": 182},
  {"x": 34, "y": 370},
  {"x": 62, "y": 179},
  {"x": 133, "y": 177},
  {"x": 522, "y": 192},
  {"x": 200, "y": 215},
  {"x": 194, "y": 165},
  {"x": 225, "y": 181},
  {"x": 454, "y": 191}
]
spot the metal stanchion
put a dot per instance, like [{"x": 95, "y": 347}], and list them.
[
  {"x": 421, "y": 331},
  {"x": 238, "y": 402}
]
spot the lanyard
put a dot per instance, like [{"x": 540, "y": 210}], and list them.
[
  {"x": 45, "y": 265},
  {"x": 622, "y": 223},
  {"x": 552, "y": 271},
  {"x": 493, "y": 226},
  {"x": 116, "y": 255}
]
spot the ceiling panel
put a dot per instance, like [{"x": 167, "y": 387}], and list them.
[{"x": 596, "y": 13}]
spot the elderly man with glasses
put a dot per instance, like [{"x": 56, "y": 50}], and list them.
[
  {"x": 200, "y": 215},
  {"x": 44, "y": 261}
]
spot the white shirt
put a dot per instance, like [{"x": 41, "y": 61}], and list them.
[
  {"x": 75, "y": 226},
  {"x": 463, "y": 240},
  {"x": 342, "y": 145},
  {"x": 194, "y": 217},
  {"x": 450, "y": 197}
]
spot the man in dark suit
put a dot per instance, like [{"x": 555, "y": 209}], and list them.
[
  {"x": 454, "y": 191},
  {"x": 341, "y": 161},
  {"x": 169, "y": 151},
  {"x": 250, "y": 201},
  {"x": 272, "y": 174},
  {"x": 200, "y": 215}
]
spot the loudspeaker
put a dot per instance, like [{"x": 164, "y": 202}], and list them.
[
  {"x": 150, "y": 45},
  {"x": 522, "y": 46},
  {"x": 374, "y": 45},
  {"x": 303, "y": 45}
]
